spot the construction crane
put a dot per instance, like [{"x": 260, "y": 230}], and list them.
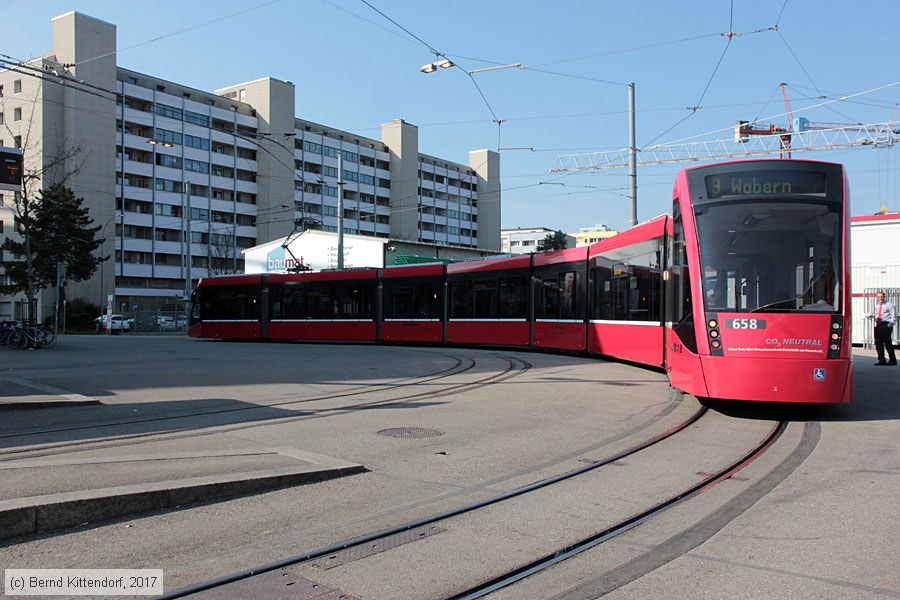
[
  {"x": 750, "y": 139},
  {"x": 804, "y": 124},
  {"x": 744, "y": 144}
]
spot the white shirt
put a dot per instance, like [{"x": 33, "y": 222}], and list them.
[{"x": 888, "y": 313}]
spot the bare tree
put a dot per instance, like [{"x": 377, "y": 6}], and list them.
[{"x": 221, "y": 251}]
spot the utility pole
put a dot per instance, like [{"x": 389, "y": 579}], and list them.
[
  {"x": 340, "y": 206},
  {"x": 187, "y": 282},
  {"x": 632, "y": 155}
]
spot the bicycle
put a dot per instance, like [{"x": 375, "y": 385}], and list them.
[{"x": 25, "y": 336}]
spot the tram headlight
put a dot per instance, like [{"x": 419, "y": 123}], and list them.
[
  {"x": 835, "y": 336},
  {"x": 712, "y": 323},
  {"x": 835, "y": 325},
  {"x": 714, "y": 334},
  {"x": 716, "y": 344},
  {"x": 834, "y": 346}
]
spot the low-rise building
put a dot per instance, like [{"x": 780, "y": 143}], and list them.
[
  {"x": 588, "y": 235},
  {"x": 523, "y": 240}
]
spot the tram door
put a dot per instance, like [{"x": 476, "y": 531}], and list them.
[{"x": 680, "y": 339}]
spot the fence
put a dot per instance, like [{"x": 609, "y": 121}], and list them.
[
  {"x": 864, "y": 329},
  {"x": 159, "y": 316}
]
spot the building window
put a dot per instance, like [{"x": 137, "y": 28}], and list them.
[
  {"x": 196, "y": 166},
  {"x": 17, "y": 86},
  {"x": 167, "y": 185},
  {"x": 196, "y": 118},
  {"x": 196, "y": 142},
  {"x": 169, "y": 111},
  {"x": 166, "y": 136},
  {"x": 17, "y": 141},
  {"x": 17, "y": 114},
  {"x": 166, "y": 160}
]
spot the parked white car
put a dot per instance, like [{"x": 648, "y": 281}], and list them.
[
  {"x": 171, "y": 323},
  {"x": 117, "y": 324}
]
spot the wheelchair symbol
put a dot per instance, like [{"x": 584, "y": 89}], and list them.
[{"x": 818, "y": 374}]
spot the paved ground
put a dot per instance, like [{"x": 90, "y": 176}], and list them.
[{"x": 828, "y": 530}]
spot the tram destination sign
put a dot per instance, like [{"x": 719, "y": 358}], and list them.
[
  {"x": 10, "y": 169},
  {"x": 765, "y": 183}
]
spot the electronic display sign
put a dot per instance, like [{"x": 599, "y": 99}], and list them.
[
  {"x": 11, "y": 169},
  {"x": 775, "y": 183}
]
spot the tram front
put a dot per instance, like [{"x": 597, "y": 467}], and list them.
[{"x": 774, "y": 280}]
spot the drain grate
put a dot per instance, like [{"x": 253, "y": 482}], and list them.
[
  {"x": 365, "y": 550},
  {"x": 410, "y": 432}
]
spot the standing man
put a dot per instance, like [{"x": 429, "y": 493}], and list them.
[{"x": 885, "y": 315}]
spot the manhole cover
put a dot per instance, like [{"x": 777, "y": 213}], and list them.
[{"x": 411, "y": 432}]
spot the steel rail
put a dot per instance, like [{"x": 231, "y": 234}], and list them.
[
  {"x": 567, "y": 552},
  {"x": 384, "y": 533}
]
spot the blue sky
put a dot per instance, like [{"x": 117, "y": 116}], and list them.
[{"x": 355, "y": 70}]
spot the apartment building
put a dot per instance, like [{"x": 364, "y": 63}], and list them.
[{"x": 182, "y": 180}]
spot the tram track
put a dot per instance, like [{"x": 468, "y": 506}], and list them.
[
  {"x": 514, "y": 367},
  {"x": 561, "y": 554},
  {"x": 417, "y": 525}
]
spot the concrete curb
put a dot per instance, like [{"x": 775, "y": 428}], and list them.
[
  {"x": 35, "y": 404},
  {"x": 24, "y": 516}
]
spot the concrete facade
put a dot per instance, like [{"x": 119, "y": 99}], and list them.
[{"x": 182, "y": 180}]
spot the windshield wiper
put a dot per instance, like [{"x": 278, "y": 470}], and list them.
[{"x": 787, "y": 304}]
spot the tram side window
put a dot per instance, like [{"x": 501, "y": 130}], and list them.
[
  {"x": 489, "y": 298},
  {"x": 288, "y": 301},
  {"x": 322, "y": 301},
  {"x": 412, "y": 300},
  {"x": 461, "y": 305},
  {"x": 352, "y": 300},
  {"x": 485, "y": 299},
  {"x": 230, "y": 302},
  {"x": 399, "y": 302},
  {"x": 629, "y": 286},
  {"x": 559, "y": 296},
  {"x": 513, "y": 297}
]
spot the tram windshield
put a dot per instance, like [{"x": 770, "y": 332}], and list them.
[{"x": 770, "y": 256}]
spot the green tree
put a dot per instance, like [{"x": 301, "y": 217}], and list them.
[
  {"x": 553, "y": 241},
  {"x": 55, "y": 228}
]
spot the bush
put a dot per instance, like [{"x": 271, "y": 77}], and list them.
[{"x": 80, "y": 314}]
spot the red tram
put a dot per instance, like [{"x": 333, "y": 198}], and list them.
[{"x": 742, "y": 293}]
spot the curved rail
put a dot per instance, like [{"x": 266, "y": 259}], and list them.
[
  {"x": 372, "y": 537},
  {"x": 562, "y": 554}
]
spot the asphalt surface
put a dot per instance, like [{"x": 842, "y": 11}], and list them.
[{"x": 269, "y": 448}]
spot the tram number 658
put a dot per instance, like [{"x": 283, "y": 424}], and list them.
[{"x": 745, "y": 324}]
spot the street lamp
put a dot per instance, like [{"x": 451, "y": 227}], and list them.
[{"x": 445, "y": 63}]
